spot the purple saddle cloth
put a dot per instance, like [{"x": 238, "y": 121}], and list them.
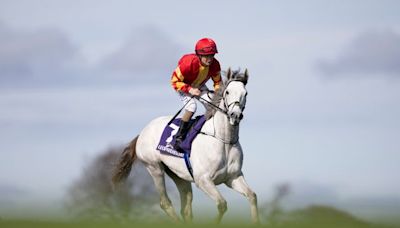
[{"x": 167, "y": 140}]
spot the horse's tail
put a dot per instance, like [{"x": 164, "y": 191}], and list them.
[{"x": 124, "y": 166}]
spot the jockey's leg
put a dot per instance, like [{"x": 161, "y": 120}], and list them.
[
  {"x": 190, "y": 106},
  {"x": 183, "y": 130},
  {"x": 187, "y": 115},
  {"x": 211, "y": 190},
  {"x": 157, "y": 173},
  {"x": 239, "y": 184},
  {"x": 186, "y": 195},
  {"x": 190, "y": 109}
]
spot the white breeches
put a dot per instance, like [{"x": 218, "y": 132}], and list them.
[{"x": 190, "y": 103}]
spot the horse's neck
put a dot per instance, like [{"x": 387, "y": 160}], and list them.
[{"x": 223, "y": 129}]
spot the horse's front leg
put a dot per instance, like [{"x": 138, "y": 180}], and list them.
[
  {"x": 239, "y": 184},
  {"x": 207, "y": 185}
]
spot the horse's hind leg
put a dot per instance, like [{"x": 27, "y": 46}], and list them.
[
  {"x": 211, "y": 190},
  {"x": 185, "y": 192},
  {"x": 157, "y": 172},
  {"x": 239, "y": 184}
]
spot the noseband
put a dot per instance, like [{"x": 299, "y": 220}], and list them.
[{"x": 234, "y": 103}]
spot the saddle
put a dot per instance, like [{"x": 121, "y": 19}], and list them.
[{"x": 167, "y": 139}]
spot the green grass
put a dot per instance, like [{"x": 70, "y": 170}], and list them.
[
  {"x": 311, "y": 217},
  {"x": 108, "y": 224},
  {"x": 52, "y": 224}
]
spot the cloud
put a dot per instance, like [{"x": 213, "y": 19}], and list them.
[
  {"x": 371, "y": 53},
  {"x": 148, "y": 50},
  {"x": 47, "y": 57},
  {"x": 40, "y": 56}
]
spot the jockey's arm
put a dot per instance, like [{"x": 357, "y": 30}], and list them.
[
  {"x": 177, "y": 81},
  {"x": 217, "y": 81}
]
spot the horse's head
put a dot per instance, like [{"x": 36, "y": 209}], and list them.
[{"x": 234, "y": 95}]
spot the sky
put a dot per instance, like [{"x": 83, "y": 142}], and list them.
[{"x": 78, "y": 77}]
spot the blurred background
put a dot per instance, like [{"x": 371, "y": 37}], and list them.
[{"x": 79, "y": 79}]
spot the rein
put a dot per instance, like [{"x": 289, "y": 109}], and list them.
[{"x": 213, "y": 106}]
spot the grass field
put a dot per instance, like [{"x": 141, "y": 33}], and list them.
[
  {"x": 311, "y": 217},
  {"x": 86, "y": 224}
]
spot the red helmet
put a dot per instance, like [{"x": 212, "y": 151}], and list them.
[{"x": 206, "y": 46}]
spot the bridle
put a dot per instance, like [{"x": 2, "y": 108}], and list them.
[{"x": 227, "y": 106}]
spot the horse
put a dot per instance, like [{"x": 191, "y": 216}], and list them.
[{"x": 216, "y": 155}]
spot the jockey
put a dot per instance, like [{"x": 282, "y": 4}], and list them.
[{"x": 190, "y": 77}]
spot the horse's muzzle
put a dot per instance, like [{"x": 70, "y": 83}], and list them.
[
  {"x": 235, "y": 114},
  {"x": 235, "y": 118}
]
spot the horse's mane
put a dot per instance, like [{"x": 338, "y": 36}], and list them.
[{"x": 218, "y": 95}]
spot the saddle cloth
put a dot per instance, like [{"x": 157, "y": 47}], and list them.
[{"x": 167, "y": 139}]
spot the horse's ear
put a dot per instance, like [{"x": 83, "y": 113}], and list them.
[
  {"x": 228, "y": 73},
  {"x": 246, "y": 76}
]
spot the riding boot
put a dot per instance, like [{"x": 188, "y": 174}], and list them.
[{"x": 180, "y": 136}]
